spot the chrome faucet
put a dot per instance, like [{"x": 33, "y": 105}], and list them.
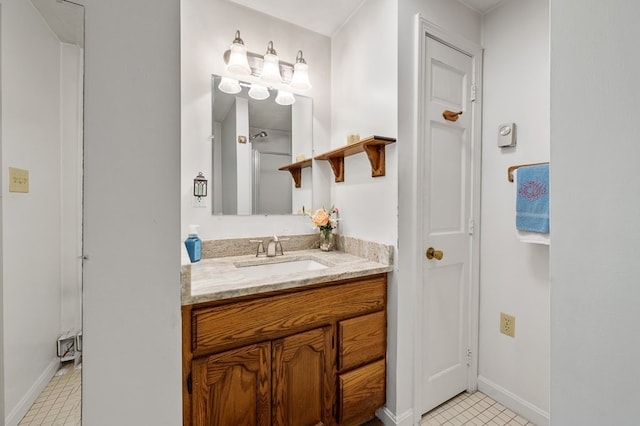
[{"x": 272, "y": 247}]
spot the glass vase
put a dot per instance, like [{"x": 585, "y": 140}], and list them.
[{"x": 327, "y": 240}]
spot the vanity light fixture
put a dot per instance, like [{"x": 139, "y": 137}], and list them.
[
  {"x": 200, "y": 186},
  {"x": 285, "y": 98},
  {"x": 268, "y": 67},
  {"x": 300, "y": 79},
  {"x": 271, "y": 66},
  {"x": 229, "y": 85},
  {"x": 238, "y": 62}
]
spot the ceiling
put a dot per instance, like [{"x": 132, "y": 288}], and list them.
[
  {"x": 327, "y": 16},
  {"x": 65, "y": 19},
  {"x": 482, "y": 6},
  {"x": 324, "y": 17}
]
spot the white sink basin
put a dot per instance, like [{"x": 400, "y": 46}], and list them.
[{"x": 280, "y": 268}]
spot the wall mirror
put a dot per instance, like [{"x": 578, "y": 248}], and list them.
[{"x": 254, "y": 143}]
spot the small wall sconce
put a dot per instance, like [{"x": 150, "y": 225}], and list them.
[
  {"x": 200, "y": 186},
  {"x": 268, "y": 67}
]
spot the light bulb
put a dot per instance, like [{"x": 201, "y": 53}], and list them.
[
  {"x": 300, "y": 79},
  {"x": 238, "y": 62},
  {"x": 285, "y": 98},
  {"x": 271, "y": 66},
  {"x": 229, "y": 85},
  {"x": 258, "y": 92}
]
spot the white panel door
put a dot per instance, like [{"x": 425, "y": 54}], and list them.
[{"x": 446, "y": 183}]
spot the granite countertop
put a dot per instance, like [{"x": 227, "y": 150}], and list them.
[{"x": 223, "y": 277}]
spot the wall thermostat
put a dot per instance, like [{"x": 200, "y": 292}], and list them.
[{"x": 506, "y": 135}]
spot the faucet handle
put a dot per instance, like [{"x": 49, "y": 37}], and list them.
[
  {"x": 260, "y": 248},
  {"x": 279, "y": 244}
]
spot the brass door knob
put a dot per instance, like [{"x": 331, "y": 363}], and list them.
[{"x": 434, "y": 254}]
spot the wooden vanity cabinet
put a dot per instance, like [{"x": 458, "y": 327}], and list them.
[
  {"x": 308, "y": 356},
  {"x": 237, "y": 383}
]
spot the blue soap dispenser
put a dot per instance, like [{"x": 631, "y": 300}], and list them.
[{"x": 193, "y": 244}]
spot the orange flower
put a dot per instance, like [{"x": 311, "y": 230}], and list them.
[{"x": 320, "y": 217}]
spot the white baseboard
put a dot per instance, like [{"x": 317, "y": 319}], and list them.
[
  {"x": 513, "y": 402},
  {"x": 18, "y": 412},
  {"x": 392, "y": 419}
]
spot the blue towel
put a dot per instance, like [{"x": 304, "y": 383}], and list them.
[{"x": 532, "y": 201}]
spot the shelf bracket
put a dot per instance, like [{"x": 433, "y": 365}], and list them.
[
  {"x": 296, "y": 174},
  {"x": 376, "y": 154},
  {"x": 337, "y": 164},
  {"x": 296, "y": 170}
]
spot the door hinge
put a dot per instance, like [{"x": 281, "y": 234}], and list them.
[
  {"x": 471, "y": 224},
  {"x": 189, "y": 384},
  {"x": 469, "y": 357},
  {"x": 473, "y": 92}
]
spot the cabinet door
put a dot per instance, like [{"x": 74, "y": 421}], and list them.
[
  {"x": 304, "y": 379},
  {"x": 233, "y": 388}
]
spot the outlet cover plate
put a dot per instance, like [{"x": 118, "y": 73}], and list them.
[
  {"x": 507, "y": 324},
  {"x": 18, "y": 180}
]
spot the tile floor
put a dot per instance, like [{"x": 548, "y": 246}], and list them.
[
  {"x": 472, "y": 409},
  {"x": 59, "y": 402}
]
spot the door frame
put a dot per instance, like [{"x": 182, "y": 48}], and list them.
[{"x": 424, "y": 28}]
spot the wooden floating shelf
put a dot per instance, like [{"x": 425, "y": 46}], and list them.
[
  {"x": 296, "y": 170},
  {"x": 373, "y": 146}
]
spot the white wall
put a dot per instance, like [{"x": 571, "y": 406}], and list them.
[
  {"x": 208, "y": 30},
  {"x": 514, "y": 276},
  {"x": 31, "y": 222},
  {"x": 594, "y": 213},
  {"x": 132, "y": 357},
  {"x": 364, "y": 101}
]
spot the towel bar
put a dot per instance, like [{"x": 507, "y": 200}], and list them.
[{"x": 512, "y": 168}]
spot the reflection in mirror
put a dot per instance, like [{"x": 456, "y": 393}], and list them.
[{"x": 253, "y": 140}]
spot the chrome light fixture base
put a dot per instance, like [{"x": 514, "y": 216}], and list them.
[{"x": 256, "y": 62}]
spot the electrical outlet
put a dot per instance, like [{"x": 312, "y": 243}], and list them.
[
  {"x": 18, "y": 180},
  {"x": 507, "y": 324}
]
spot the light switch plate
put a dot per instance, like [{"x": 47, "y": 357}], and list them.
[
  {"x": 18, "y": 180},
  {"x": 506, "y": 135}
]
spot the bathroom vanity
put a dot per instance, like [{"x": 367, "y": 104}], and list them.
[{"x": 289, "y": 348}]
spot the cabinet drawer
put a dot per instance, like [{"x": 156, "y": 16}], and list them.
[
  {"x": 239, "y": 323},
  {"x": 361, "y": 340},
  {"x": 361, "y": 392}
]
